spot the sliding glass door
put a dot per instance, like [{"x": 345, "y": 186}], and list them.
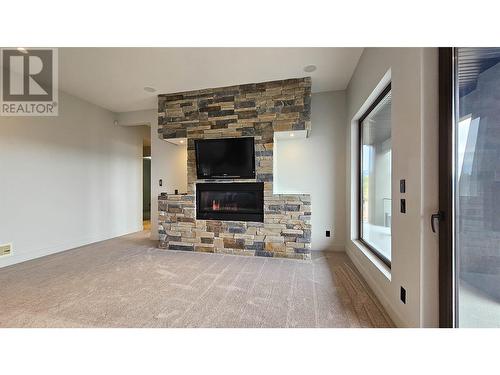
[{"x": 475, "y": 187}]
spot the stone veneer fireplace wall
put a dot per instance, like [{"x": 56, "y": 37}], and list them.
[{"x": 251, "y": 110}]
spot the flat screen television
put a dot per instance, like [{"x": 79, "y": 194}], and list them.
[{"x": 229, "y": 158}]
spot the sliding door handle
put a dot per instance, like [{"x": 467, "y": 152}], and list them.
[{"x": 439, "y": 216}]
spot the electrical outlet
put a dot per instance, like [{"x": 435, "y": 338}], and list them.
[
  {"x": 161, "y": 182},
  {"x": 403, "y": 206},
  {"x": 403, "y": 295},
  {"x": 5, "y": 249},
  {"x": 402, "y": 186},
  {"x": 328, "y": 233}
]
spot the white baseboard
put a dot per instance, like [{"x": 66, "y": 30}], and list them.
[{"x": 31, "y": 254}]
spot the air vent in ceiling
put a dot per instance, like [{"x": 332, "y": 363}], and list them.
[{"x": 5, "y": 249}]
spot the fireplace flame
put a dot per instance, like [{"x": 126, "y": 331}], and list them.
[{"x": 215, "y": 205}]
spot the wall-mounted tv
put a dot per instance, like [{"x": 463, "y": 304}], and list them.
[{"x": 227, "y": 158}]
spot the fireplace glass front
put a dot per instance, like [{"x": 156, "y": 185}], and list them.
[{"x": 241, "y": 201}]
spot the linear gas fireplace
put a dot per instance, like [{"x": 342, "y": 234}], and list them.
[{"x": 239, "y": 201}]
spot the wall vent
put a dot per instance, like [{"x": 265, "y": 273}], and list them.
[{"x": 5, "y": 249}]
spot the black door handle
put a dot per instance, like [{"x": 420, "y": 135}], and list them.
[{"x": 439, "y": 216}]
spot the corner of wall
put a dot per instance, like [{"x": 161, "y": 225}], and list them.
[
  {"x": 412, "y": 75},
  {"x": 397, "y": 319}
]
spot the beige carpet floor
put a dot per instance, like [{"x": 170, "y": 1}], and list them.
[{"x": 128, "y": 282}]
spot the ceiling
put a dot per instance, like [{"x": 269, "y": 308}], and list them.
[{"x": 114, "y": 78}]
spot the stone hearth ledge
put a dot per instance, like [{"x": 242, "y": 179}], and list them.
[{"x": 286, "y": 231}]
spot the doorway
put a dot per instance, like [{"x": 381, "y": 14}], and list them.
[
  {"x": 469, "y": 187},
  {"x": 146, "y": 179},
  {"x": 146, "y": 188}
]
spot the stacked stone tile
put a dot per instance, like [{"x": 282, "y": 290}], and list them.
[{"x": 256, "y": 110}]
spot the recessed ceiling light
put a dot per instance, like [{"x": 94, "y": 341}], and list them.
[
  {"x": 292, "y": 135},
  {"x": 22, "y": 50},
  {"x": 181, "y": 141},
  {"x": 310, "y": 68},
  {"x": 149, "y": 89}
]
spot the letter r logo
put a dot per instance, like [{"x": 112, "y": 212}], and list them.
[{"x": 27, "y": 77}]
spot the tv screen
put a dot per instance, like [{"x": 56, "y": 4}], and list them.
[{"x": 225, "y": 158}]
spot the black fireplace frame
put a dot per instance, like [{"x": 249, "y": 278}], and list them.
[{"x": 231, "y": 186}]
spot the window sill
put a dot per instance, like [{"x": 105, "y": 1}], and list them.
[{"x": 381, "y": 266}]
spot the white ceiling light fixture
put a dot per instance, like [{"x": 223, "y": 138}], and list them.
[
  {"x": 290, "y": 135},
  {"x": 22, "y": 50},
  {"x": 177, "y": 141},
  {"x": 149, "y": 89},
  {"x": 310, "y": 68}
]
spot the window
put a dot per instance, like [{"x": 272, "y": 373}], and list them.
[
  {"x": 375, "y": 177},
  {"x": 476, "y": 186}
]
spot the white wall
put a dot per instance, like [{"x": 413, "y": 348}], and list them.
[
  {"x": 168, "y": 161},
  {"x": 67, "y": 181},
  {"x": 413, "y": 72},
  {"x": 316, "y": 165}
]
